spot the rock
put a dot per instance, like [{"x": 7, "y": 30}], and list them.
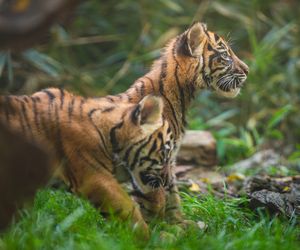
[
  {"x": 276, "y": 184},
  {"x": 274, "y": 202},
  {"x": 261, "y": 160},
  {"x": 198, "y": 148},
  {"x": 277, "y": 194},
  {"x": 182, "y": 170},
  {"x": 210, "y": 176}
]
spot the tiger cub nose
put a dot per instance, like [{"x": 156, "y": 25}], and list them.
[{"x": 244, "y": 68}]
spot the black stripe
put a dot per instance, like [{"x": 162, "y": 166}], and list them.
[
  {"x": 161, "y": 90},
  {"x": 175, "y": 126},
  {"x": 169, "y": 130},
  {"x": 128, "y": 151},
  {"x": 62, "y": 97},
  {"x": 211, "y": 58},
  {"x": 128, "y": 96},
  {"x": 20, "y": 114},
  {"x": 163, "y": 74},
  {"x": 102, "y": 138},
  {"x": 50, "y": 95},
  {"x": 142, "y": 88},
  {"x": 149, "y": 160},
  {"x": 149, "y": 178},
  {"x": 109, "y": 98},
  {"x": 151, "y": 82},
  {"x": 82, "y": 102},
  {"x": 35, "y": 113},
  {"x": 139, "y": 194},
  {"x": 26, "y": 98},
  {"x": 27, "y": 123},
  {"x": 206, "y": 32},
  {"x": 216, "y": 69},
  {"x": 216, "y": 37},
  {"x": 59, "y": 143},
  {"x": 192, "y": 85},
  {"x": 135, "y": 115},
  {"x": 71, "y": 108},
  {"x": 138, "y": 151},
  {"x": 113, "y": 137},
  {"x": 136, "y": 88},
  {"x": 160, "y": 137},
  {"x": 204, "y": 78},
  {"x": 170, "y": 187},
  {"x": 180, "y": 89},
  {"x": 108, "y": 109},
  {"x": 153, "y": 147}
]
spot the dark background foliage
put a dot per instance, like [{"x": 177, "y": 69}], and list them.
[{"x": 109, "y": 44}]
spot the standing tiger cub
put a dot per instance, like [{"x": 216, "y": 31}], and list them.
[
  {"x": 131, "y": 136},
  {"x": 194, "y": 60}
]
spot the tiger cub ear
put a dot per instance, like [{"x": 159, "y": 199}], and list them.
[
  {"x": 148, "y": 113},
  {"x": 192, "y": 39}
]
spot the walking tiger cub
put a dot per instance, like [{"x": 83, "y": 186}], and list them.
[{"x": 104, "y": 141}]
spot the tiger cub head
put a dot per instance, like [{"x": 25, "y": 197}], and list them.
[
  {"x": 209, "y": 61},
  {"x": 146, "y": 144},
  {"x": 136, "y": 124}
]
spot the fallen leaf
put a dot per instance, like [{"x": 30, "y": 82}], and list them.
[
  {"x": 235, "y": 177},
  {"x": 194, "y": 187}
]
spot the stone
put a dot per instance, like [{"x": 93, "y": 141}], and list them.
[{"x": 198, "y": 148}]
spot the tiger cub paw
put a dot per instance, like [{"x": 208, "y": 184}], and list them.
[
  {"x": 167, "y": 238},
  {"x": 141, "y": 231}
]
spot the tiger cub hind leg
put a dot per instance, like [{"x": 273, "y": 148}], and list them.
[{"x": 105, "y": 193}]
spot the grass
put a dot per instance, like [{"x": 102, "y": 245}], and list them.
[{"x": 60, "y": 220}]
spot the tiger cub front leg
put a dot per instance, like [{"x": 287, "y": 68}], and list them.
[
  {"x": 107, "y": 194},
  {"x": 173, "y": 205},
  {"x": 152, "y": 203}
]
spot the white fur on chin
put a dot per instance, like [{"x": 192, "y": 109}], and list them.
[{"x": 230, "y": 94}]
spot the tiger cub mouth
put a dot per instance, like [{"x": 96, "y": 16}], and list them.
[{"x": 229, "y": 85}]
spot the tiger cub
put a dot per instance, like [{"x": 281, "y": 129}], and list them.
[
  {"x": 98, "y": 143},
  {"x": 194, "y": 60}
]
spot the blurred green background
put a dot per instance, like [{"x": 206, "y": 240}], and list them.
[{"x": 109, "y": 44}]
